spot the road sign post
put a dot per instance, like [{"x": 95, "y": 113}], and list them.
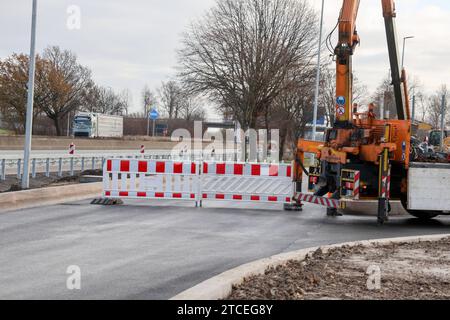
[{"x": 153, "y": 115}]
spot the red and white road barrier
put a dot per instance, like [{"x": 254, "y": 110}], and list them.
[
  {"x": 321, "y": 201},
  {"x": 151, "y": 179},
  {"x": 142, "y": 149},
  {"x": 72, "y": 149},
  {"x": 197, "y": 181},
  {"x": 247, "y": 182}
]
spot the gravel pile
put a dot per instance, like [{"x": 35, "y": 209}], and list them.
[{"x": 406, "y": 271}]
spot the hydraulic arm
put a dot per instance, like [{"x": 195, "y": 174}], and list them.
[{"x": 348, "y": 40}]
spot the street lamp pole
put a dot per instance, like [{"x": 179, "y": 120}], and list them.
[
  {"x": 403, "y": 53},
  {"x": 30, "y": 100},
  {"x": 316, "y": 94}
]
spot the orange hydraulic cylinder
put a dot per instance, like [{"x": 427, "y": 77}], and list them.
[{"x": 348, "y": 39}]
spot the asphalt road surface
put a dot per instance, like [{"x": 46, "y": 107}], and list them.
[{"x": 155, "y": 250}]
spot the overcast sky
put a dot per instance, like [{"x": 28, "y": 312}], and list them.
[{"x": 129, "y": 44}]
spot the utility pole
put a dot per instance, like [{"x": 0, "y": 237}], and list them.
[
  {"x": 443, "y": 122},
  {"x": 413, "y": 116},
  {"x": 29, "y": 120},
  {"x": 316, "y": 94}
]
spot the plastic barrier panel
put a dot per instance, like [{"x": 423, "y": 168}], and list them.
[
  {"x": 151, "y": 179},
  {"x": 247, "y": 182}
]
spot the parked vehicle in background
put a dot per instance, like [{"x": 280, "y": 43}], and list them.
[
  {"x": 97, "y": 125},
  {"x": 435, "y": 139}
]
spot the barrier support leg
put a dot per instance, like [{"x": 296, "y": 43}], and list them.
[{"x": 107, "y": 202}]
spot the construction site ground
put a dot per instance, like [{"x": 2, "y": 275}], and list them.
[
  {"x": 408, "y": 271},
  {"x": 12, "y": 183}
]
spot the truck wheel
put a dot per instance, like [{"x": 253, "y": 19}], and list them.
[
  {"x": 423, "y": 215},
  {"x": 332, "y": 212}
]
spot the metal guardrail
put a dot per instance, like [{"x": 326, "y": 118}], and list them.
[{"x": 49, "y": 165}]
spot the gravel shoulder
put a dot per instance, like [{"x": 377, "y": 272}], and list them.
[{"x": 409, "y": 271}]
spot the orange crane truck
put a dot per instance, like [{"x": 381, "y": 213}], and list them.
[{"x": 364, "y": 157}]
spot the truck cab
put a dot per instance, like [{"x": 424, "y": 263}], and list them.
[{"x": 84, "y": 125}]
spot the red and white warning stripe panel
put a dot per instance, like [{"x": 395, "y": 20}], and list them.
[
  {"x": 151, "y": 167},
  {"x": 246, "y": 198},
  {"x": 151, "y": 195},
  {"x": 247, "y": 169},
  {"x": 322, "y": 201},
  {"x": 151, "y": 179},
  {"x": 357, "y": 186}
]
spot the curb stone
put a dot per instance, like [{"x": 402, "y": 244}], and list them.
[{"x": 11, "y": 201}]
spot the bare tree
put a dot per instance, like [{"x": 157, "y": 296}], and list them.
[
  {"x": 170, "y": 95},
  {"x": 148, "y": 100},
  {"x": 191, "y": 108},
  {"x": 293, "y": 110},
  {"x": 384, "y": 95},
  {"x": 435, "y": 106},
  {"x": 66, "y": 83},
  {"x": 415, "y": 89},
  {"x": 243, "y": 53},
  {"x": 127, "y": 99},
  {"x": 421, "y": 106},
  {"x": 105, "y": 100}
]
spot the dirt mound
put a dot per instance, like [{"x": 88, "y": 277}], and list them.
[{"x": 405, "y": 271}]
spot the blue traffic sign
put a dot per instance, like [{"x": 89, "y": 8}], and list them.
[
  {"x": 153, "y": 115},
  {"x": 340, "y": 101}
]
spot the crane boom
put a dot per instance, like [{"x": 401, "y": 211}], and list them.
[
  {"x": 398, "y": 76},
  {"x": 348, "y": 39}
]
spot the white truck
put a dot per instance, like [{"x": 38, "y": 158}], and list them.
[{"x": 97, "y": 125}]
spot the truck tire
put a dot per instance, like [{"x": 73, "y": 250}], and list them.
[{"x": 422, "y": 215}]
